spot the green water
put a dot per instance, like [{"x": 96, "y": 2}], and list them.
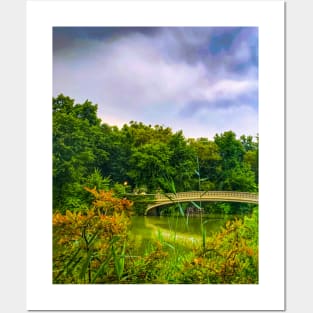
[{"x": 186, "y": 232}]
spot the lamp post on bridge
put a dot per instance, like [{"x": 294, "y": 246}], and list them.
[{"x": 125, "y": 184}]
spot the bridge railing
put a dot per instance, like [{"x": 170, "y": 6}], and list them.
[{"x": 206, "y": 194}]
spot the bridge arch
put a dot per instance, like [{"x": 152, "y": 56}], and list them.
[{"x": 203, "y": 196}]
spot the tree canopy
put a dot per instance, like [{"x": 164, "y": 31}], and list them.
[{"x": 139, "y": 157}]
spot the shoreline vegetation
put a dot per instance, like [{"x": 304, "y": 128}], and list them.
[{"x": 98, "y": 173}]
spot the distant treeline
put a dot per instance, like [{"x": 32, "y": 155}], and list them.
[{"x": 141, "y": 158}]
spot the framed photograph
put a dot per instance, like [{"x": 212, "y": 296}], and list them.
[{"x": 155, "y": 155}]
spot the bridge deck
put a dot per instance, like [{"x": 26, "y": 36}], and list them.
[{"x": 228, "y": 196}]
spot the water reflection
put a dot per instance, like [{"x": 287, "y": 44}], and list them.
[{"x": 177, "y": 228}]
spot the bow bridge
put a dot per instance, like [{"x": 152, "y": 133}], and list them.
[{"x": 204, "y": 196}]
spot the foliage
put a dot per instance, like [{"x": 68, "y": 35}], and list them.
[
  {"x": 76, "y": 147},
  {"x": 88, "y": 152},
  {"x": 141, "y": 201},
  {"x": 240, "y": 178},
  {"x": 94, "y": 248},
  {"x": 209, "y": 161},
  {"x": 84, "y": 244},
  {"x": 98, "y": 167},
  {"x": 149, "y": 163},
  {"x": 235, "y": 172},
  {"x": 229, "y": 257}
]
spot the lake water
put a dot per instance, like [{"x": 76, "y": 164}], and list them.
[{"x": 176, "y": 229}]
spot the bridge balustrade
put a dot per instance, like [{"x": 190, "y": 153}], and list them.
[
  {"x": 232, "y": 196},
  {"x": 205, "y": 194}
]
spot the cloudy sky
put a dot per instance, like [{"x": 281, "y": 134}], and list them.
[{"x": 202, "y": 80}]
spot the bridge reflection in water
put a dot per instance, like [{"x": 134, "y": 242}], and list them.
[{"x": 203, "y": 196}]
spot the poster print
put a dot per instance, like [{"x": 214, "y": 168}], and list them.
[
  {"x": 167, "y": 157},
  {"x": 155, "y": 156}
]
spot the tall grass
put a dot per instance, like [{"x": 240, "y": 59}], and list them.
[{"x": 95, "y": 248}]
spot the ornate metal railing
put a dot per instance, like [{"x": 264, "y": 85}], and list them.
[{"x": 229, "y": 196}]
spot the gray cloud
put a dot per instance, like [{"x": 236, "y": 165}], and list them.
[{"x": 161, "y": 75}]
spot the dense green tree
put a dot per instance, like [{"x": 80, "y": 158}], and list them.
[
  {"x": 62, "y": 104},
  {"x": 76, "y": 150},
  {"x": 231, "y": 150},
  {"x": 248, "y": 143},
  {"x": 235, "y": 174},
  {"x": 182, "y": 162},
  {"x": 209, "y": 162},
  {"x": 150, "y": 163},
  {"x": 251, "y": 158},
  {"x": 88, "y": 152},
  {"x": 118, "y": 149},
  {"x": 240, "y": 178},
  {"x": 88, "y": 112}
]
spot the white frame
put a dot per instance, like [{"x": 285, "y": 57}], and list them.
[{"x": 268, "y": 16}]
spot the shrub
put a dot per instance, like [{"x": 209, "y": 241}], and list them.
[
  {"x": 229, "y": 257},
  {"x": 86, "y": 243}
]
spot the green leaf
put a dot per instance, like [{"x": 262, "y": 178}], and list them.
[
  {"x": 196, "y": 205},
  {"x": 169, "y": 245},
  {"x": 114, "y": 239},
  {"x": 173, "y": 187},
  {"x": 66, "y": 268},
  {"x": 203, "y": 231},
  {"x": 92, "y": 238},
  {"x": 119, "y": 261},
  {"x": 70, "y": 270},
  {"x": 101, "y": 269},
  {"x": 85, "y": 265},
  {"x": 181, "y": 211}
]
